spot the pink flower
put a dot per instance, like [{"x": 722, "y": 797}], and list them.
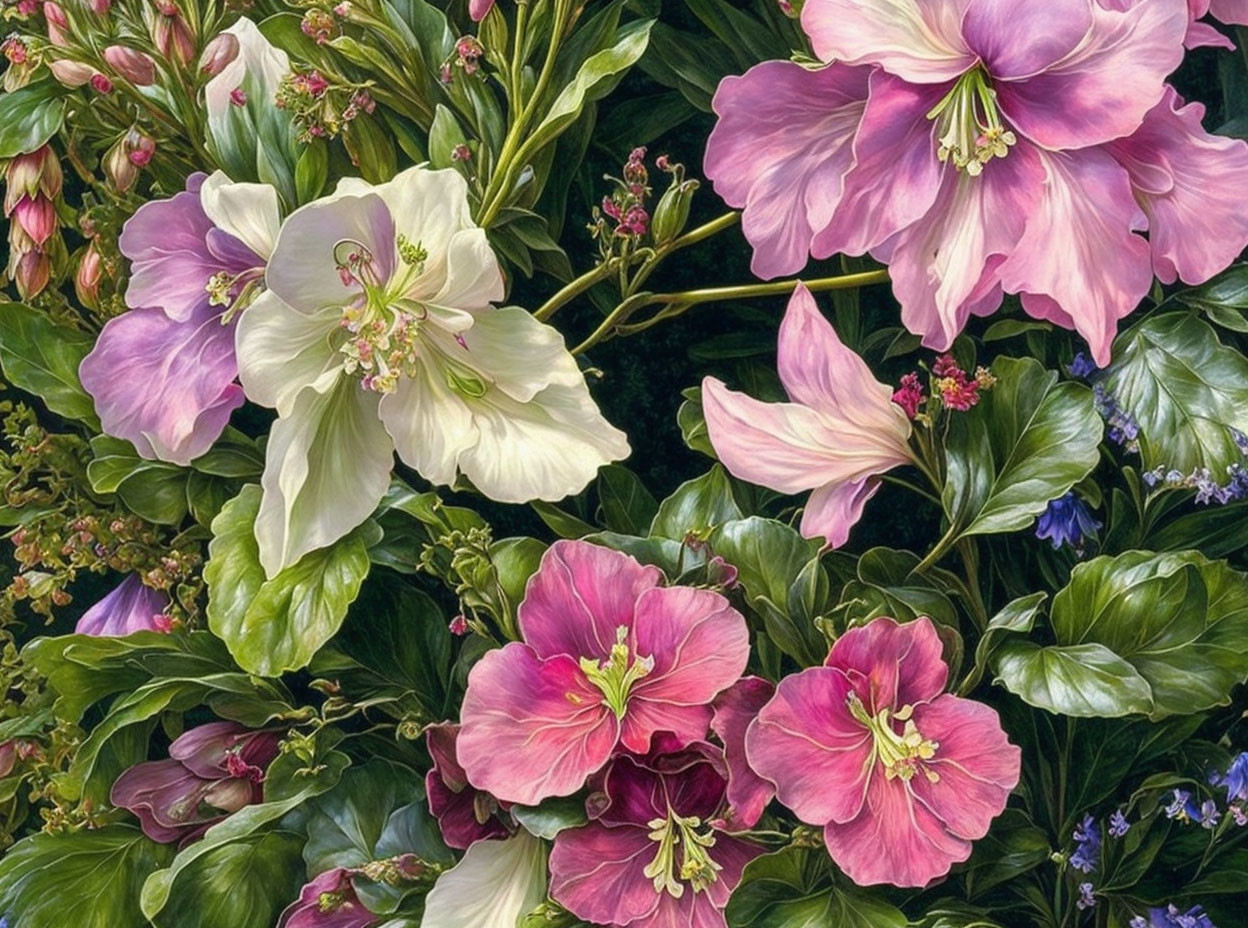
[
  {"x": 735, "y": 708},
  {"x": 212, "y": 770},
  {"x": 902, "y": 777},
  {"x": 609, "y": 658},
  {"x": 464, "y": 814},
  {"x": 650, "y": 857},
  {"x": 839, "y": 433},
  {"x": 328, "y": 901},
  {"x": 970, "y": 144},
  {"x": 909, "y": 394}
]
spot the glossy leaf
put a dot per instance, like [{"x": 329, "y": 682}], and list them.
[
  {"x": 29, "y": 116},
  {"x": 42, "y": 357},
  {"x": 697, "y": 506}
]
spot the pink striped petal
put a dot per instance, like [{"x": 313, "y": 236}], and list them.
[
  {"x": 735, "y": 708},
  {"x": 893, "y": 664}
]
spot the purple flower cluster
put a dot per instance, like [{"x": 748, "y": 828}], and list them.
[
  {"x": 1120, "y": 425},
  {"x": 1202, "y": 481},
  {"x": 1171, "y": 917},
  {"x": 1087, "y": 855}
]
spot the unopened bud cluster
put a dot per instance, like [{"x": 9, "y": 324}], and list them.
[
  {"x": 32, "y": 191},
  {"x": 623, "y": 219},
  {"x": 321, "y": 109}
]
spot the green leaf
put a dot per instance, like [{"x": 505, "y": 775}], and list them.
[
  {"x": 271, "y": 626},
  {"x": 42, "y": 357},
  {"x": 244, "y": 870},
  {"x": 1018, "y": 616},
  {"x": 88, "y": 879},
  {"x": 692, "y": 422},
  {"x": 377, "y": 811},
  {"x": 154, "y": 490},
  {"x": 1160, "y": 634},
  {"x": 697, "y": 506},
  {"x": 1013, "y": 846},
  {"x": 562, "y": 523},
  {"x": 1028, "y": 441},
  {"x": 771, "y": 559},
  {"x": 444, "y": 135},
  {"x": 311, "y": 171},
  {"x": 794, "y": 888},
  {"x": 595, "y": 79},
  {"x": 887, "y": 585},
  {"x": 627, "y": 506},
  {"x": 1185, "y": 389},
  {"x": 515, "y": 561},
  {"x": 29, "y": 116},
  {"x": 551, "y": 817}
]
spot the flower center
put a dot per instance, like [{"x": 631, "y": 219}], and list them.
[
  {"x": 233, "y": 292},
  {"x": 901, "y": 754},
  {"x": 383, "y": 323},
  {"x": 686, "y": 837},
  {"x": 616, "y": 676},
  {"x": 970, "y": 129}
]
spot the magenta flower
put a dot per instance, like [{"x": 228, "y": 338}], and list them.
[
  {"x": 212, "y": 770},
  {"x": 132, "y": 607},
  {"x": 967, "y": 144},
  {"x": 196, "y": 259},
  {"x": 735, "y": 708},
  {"x": 464, "y": 814},
  {"x": 609, "y": 658},
  {"x": 328, "y": 901},
  {"x": 839, "y": 433},
  {"x": 652, "y": 856},
  {"x": 901, "y": 777}
]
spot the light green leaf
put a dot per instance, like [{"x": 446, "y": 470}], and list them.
[
  {"x": 87, "y": 879},
  {"x": 42, "y": 357},
  {"x": 1028, "y": 441},
  {"x": 271, "y": 626},
  {"x": 1081, "y": 680},
  {"x": 551, "y": 817},
  {"x": 29, "y": 116}
]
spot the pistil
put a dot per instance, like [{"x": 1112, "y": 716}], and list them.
[
  {"x": 616, "y": 676},
  {"x": 969, "y": 124},
  {"x": 686, "y": 837},
  {"x": 901, "y": 754}
]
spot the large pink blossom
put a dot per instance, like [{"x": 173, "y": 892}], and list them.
[
  {"x": 978, "y": 147},
  {"x": 901, "y": 776},
  {"x": 652, "y": 855},
  {"x": 839, "y": 433},
  {"x": 609, "y": 658}
]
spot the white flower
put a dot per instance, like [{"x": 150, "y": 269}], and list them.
[
  {"x": 377, "y": 334},
  {"x": 494, "y": 886}
]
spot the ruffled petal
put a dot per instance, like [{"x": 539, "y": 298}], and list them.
[
  {"x": 532, "y": 728},
  {"x": 517, "y": 353},
  {"x": 975, "y": 765},
  {"x": 579, "y": 596},
  {"x": 1102, "y": 89},
  {"x": 1179, "y": 173},
  {"x": 918, "y": 40},
  {"x": 805, "y": 738},
  {"x": 281, "y": 351},
  {"x": 699, "y": 644},
  {"x": 1015, "y": 40},
  {"x": 735, "y": 708},
  {"x": 781, "y": 149},
  {"x": 834, "y": 509},
  {"x": 326, "y": 468},
  {"x": 178, "y": 388},
  {"x": 1079, "y": 249},
  {"x": 248, "y": 212},
  {"x": 892, "y": 664}
]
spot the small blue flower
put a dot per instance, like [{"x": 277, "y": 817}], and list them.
[
  {"x": 1121, "y": 426},
  {"x": 1236, "y": 779},
  {"x": 1118, "y": 824},
  {"x": 1182, "y": 807},
  {"x": 1209, "y": 814},
  {"x": 1082, "y": 366},
  {"x": 1171, "y": 917},
  {"x": 1086, "y": 899},
  {"x": 1087, "y": 852},
  {"x": 1067, "y": 521}
]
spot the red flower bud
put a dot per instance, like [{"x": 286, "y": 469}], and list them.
[
  {"x": 136, "y": 67},
  {"x": 37, "y": 218},
  {"x": 100, "y": 83}
]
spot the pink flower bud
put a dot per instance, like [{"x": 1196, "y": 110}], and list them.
[
  {"x": 218, "y": 53},
  {"x": 8, "y": 755},
  {"x": 459, "y": 626},
  {"x": 136, "y": 67},
  {"x": 172, "y": 35},
  {"x": 37, "y": 217},
  {"x": 57, "y": 24},
  {"x": 100, "y": 83},
  {"x": 32, "y": 274},
  {"x": 238, "y": 96},
  {"x": 101, "y": 7},
  {"x": 479, "y": 9},
  {"x": 38, "y": 172},
  {"x": 71, "y": 73},
  {"x": 87, "y": 278},
  {"x": 118, "y": 168},
  {"x": 141, "y": 155}
]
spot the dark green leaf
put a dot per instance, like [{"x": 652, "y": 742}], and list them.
[
  {"x": 29, "y": 116},
  {"x": 42, "y": 357},
  {"x": 697, "y": 506},
  {"x": 551, "y": 817},
  {"x": 627, "y": 506}
]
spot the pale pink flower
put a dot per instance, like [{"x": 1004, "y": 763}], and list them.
[
  {"x": 901, "y": 776},
  {"x": 609, "y": 658},
  {"x": 839, "y": 433},
  {"x": 974, "y": 147}
]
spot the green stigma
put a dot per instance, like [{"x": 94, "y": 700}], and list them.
[
  {"x": 616, "y": 676},
  {"x": 681, "y": 836},
  {"x": 901, "y": 754},
  {"x": 970, "y": 129}
]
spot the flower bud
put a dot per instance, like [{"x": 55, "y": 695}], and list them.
[
  {"x": 172, "y": 34},
  {"x": 141, "y": 148},
  {"x": 33, "y": 271},
  {"x": 101, "y": 83},
  {"x": 57, "y": 22},
  {"x": 218, "y": 53},
  {"x": 38, "y": 172},
  {"x": 118, "y": 168},
  {"x": 672, "y": 213},
  {"x": 37, "y": 218},
  {"x": 101, "y": 7},
  {"x": 88, "y": 276},
  {"x": 136, "y": 67},
  {"x": 71, "y": 73}
]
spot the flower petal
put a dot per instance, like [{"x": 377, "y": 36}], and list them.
[
  {"x": 248, "y": 212},
  {"x": 282, "y": 350},
  {"x": 892, "y": 664},
  {"x": 1102, "y": 89},
  {"x": 894, "y": 839},
  {"x": 781, "y": 149},
  {"x": 131, "y": 607},
  {"x": 735, "y": 708},
  {"x": 452, "y": 800},
  {"x": 1194, "y": 231},
  {"x": 532, "y": 728},
  {"x": 596, "y": 873},
  {"x": 519, "y": 354},
  {"x": 495, "y": 885},
  {"x": 805, "y": 738},
  {"x": 326, "y": 468},
  {"x": 429, "y": 208},
  {"x": 1079, "y": 248},
  {"x": 835, "y": 508},
  {"x": 178, "y": 388},
  {"x": 975, "y": 763},
  {"x": 1014, "y": 40},
  {"x": 430, "y": 423},
  {"x": 311, "y": 909},
  {"x": 258, "y": 63},
  {"x": 473, "y": 279},
  {"x": 580, "y": 594},
  {"x": 919, "y": 40}
]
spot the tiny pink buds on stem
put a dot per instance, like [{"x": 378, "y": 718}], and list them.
[
  {"x": 136, "y": 67},
  {"x": 218, "y": 53},
  {"x": 87, "y": 278}
]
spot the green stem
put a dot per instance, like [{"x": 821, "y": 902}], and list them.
[{"x": 942, "y": 548}]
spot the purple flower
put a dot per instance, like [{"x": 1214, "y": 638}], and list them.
[
  {"x": 465, "y": 814},
  {"x": 1183, "y": 807},
  {"x": 1087, "y": 852},
  {"x": 1082, "y": 366},
  {"x": 1209, "y": 814},
  {"x": 132, "y": 607},
  {"x": 1236, "y": 779},
  {"x": 1086, "y": 898},
  {"x": 195, "y": 258},
  {"x": 212, "y": 771},
  {"x": 1171, "y": 917},
  {"x": 1122, "y": 428},
  {"x": 328, "y": 901},
  {"x": 1067, "y": 521},
  {"x": 1118, "y": 824}
]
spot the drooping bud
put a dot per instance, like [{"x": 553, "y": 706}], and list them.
[
  {"x": 218, "y": 53},
  {"x": 87, "y": 278},
  {"x": 37, "y": 218},
  {"x": 131, "y": 64},
  {"x": 32, "y": 272},
  {"x": 172, "y": 34},
  {"x": 71, "y": 73}
]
